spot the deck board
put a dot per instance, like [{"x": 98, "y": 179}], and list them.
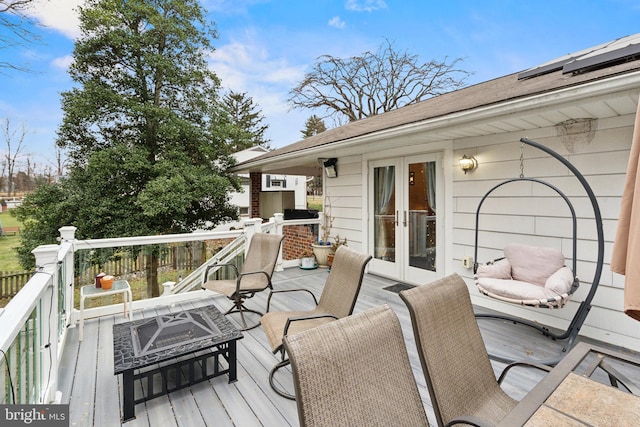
[
  {"x": 84, "y": 388},
  {"x": 88, "y": 384},
  {"x": 107, "y": 404}
]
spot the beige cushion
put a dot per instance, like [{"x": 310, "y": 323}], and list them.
[
  {"x": 498, "y": 270},
  {"x": 515, "y": 289},
  {"x": 560, "y": 282},
  {"x": 533, "y": 264}
]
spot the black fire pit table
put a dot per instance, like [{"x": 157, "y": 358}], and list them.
[{"x": 200, "y": 343}]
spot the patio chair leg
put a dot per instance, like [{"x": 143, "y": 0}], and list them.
[
  {"x": 239, "y": 307},
  {"x": 275, "y": 388}
]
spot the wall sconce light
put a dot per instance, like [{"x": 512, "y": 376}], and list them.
[
  {"x": 331, "y": 167},
  {"x": 467, "y": 164}
]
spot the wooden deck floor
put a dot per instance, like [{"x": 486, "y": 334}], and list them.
[{"x": 93, "y": 391}]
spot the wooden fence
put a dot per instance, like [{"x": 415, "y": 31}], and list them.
[
  {"x": 122, "y": 263},
  {"x": 127, "y": 263},
  {"x": 12, "y": 281}
]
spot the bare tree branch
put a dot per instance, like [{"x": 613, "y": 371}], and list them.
[
  {"x": 18, "y": 28},
  {"x": 14, "y": 140},
  {"x": 373, "y": 83},
  {"x": 14, "y": 5}
]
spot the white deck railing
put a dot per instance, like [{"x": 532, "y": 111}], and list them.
[
  {"x": 34, "y": 324},
  {"x": 32, "y": 329}
]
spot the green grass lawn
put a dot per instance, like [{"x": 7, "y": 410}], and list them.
[
  {"x": 314, "y": 202},
  {"x": 8, "y": 256}
]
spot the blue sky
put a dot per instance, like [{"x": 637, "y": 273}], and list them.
[{"x": 265, "y": 47}]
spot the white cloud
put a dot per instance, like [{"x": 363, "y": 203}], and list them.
[
  {"x": 60, "y": 15},
  {"x": 365, "y": 5},
  {"x": 267, "y": 78},
  {"x": 62, "y": 62},
  {"x": 336, "y": 22},
  {"x": 230, "y": 7},
  {"x": 286, "y": 75},
  {"x": 245, "y": 66}
]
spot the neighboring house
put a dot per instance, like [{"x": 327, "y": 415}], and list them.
[
  {"x": 12, "y": 203},
  {"x": 400, "y": 194},
  {"x": 295, "y": 185}
]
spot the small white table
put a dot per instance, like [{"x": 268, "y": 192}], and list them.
[{"x": 118, "y": 287}]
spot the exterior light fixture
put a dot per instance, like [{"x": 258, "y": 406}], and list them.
[
  {"x": 467, "y": 164},
  {"x": 331, "y": 167}
]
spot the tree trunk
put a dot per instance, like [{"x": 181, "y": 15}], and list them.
[{"x": 153, "y": 288}]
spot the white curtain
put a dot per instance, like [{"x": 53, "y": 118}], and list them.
[
  {"x": 431, "y": 185},
  {"x": 384, "y": 186},
  {"x": 384, "y": 204}
]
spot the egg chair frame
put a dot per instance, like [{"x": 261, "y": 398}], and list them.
[{"x": 571, "y": 333}]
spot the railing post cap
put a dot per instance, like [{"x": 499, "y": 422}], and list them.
[
  {"x": 45, "y": 254},
  {"x": 67, "y": 232},
  {"x": 253, "y": 221}
]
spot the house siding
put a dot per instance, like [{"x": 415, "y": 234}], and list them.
[{"x": 345, "y": 193}]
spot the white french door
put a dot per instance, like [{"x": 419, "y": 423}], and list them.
[{"x": 405, "y": 195}]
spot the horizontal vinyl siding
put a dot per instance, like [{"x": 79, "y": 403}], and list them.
[
  {"x": 346, "y": 195},
  {"x": 533, "y": 214}
]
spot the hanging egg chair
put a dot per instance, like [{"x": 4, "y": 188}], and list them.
[{"x": 536, "y": 276}]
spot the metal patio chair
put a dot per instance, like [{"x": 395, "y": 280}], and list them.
[
  {"x": 254, "y": 276},
  {"x": 337, "y": 301},
  {"x": 355, "y": 372},
  {"x": 454, "y": 359}
]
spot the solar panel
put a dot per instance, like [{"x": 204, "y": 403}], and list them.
[
  {"x": 621, "y": 50},
  {"x": 604, "y": 55}
]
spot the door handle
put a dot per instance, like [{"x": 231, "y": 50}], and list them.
[
  {"x": 404, "y": 218},
  {"x": 397, "y": 215}
]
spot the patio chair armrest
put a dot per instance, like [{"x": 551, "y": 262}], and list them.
[
  {"x": 469, "y": 420},
  {"x": 315, "y": 300},
  {"x": 526, "y": 364},
  {"x": 300, "y": 318},
  {"x": 250, "y": 273},
  {"x": 227, "y": 264}
]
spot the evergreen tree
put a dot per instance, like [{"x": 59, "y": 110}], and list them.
[
  {"x": 313, "y": 126},
  {"x": 144, "y": 127},
  {"x": 247, "y": 122}
]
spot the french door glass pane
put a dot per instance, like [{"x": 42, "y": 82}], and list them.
[
  {"x": 422, "y": 215},
  {"x": 384, "y": 227}
]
